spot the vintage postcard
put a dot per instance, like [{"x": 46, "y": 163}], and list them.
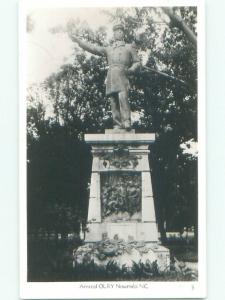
[{"x": 112, "y": 149}]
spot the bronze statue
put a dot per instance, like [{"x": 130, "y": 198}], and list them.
[{"x": 123, "y": 61}]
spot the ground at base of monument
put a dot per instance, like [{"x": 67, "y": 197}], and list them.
[{"x": 123, "y": 253}]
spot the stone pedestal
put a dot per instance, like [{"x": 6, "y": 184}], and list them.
[
  {"x": 121, "y": 205},
  {"x": 120, "y": 170}
]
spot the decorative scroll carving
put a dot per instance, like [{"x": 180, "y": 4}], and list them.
[
  {"x": 121, "y": 196},
  {"x": 120, "y": 158}
]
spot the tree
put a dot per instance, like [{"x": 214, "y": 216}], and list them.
[
  {"x": 178, "y": 22},
  {"x": 58, "y": 172}
]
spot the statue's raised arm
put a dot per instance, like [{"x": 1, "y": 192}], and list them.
[{"x": 94, "y": 49}]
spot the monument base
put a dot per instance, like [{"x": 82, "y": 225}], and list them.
[
  {"x": 137, "y": 231},
  {"x": 121, "y": 223},
  {"x": 124, "y": 254}
]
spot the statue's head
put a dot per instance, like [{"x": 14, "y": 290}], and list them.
[{"x": 118, "y": 31}]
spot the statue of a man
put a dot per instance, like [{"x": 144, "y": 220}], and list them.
[{"x": 123, "y": 61}]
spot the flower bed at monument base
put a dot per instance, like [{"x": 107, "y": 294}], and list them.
[{"x": 123, "y": 253}]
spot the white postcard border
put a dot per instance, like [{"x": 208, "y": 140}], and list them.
[{"x": 73, "y": 290}]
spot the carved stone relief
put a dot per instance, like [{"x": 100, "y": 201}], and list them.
[{"x": 121, "y": 196}]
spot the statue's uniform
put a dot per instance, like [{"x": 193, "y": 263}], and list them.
[{"x": 120, "y": 57}]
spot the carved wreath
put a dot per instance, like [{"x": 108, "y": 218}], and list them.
[{"x": 120, "y": 158}]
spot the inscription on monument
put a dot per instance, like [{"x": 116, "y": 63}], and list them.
[{"x": 121, "y": 196}]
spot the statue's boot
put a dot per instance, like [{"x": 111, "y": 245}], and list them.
[
  {"x": 127, "y": 125},
  {"x": 117, "y": 124}
]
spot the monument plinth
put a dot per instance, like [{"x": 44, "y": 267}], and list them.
[
  {"x": 121, "y": 198},
  {"x": 121, "y": 221}
]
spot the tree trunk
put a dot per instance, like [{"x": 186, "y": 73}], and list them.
[{"x": 176, "y": 21}]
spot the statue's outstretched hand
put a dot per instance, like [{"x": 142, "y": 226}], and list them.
[
  {"x": 75, "y": 38},
  {"x": 94, "y": 49},
  {"x": 73, "y": 34}
]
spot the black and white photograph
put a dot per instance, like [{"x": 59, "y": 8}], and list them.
[{"x": 112, "y": 176}]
